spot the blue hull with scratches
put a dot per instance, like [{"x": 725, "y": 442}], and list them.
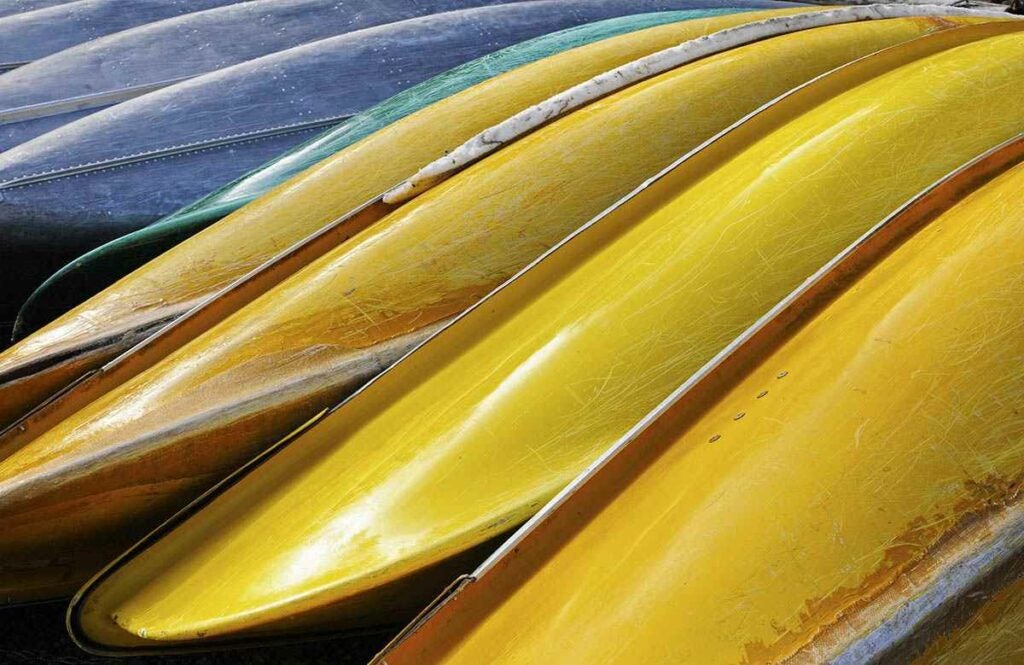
[{"x": 120, "y": 169}]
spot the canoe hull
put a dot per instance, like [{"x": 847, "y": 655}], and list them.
[
  {"x": 491, "y": 404},
  {"x": 46, "y": 221},
  {"x": 32, "y": 35}
]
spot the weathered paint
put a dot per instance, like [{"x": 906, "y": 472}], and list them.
[
  {"x": 468, "y": 435},
  {"x": 866, "y": 502},
  {"x": 94, "y": 271},
  {"x": 536, "y": 116},
  {"x": 199, "y": 268},
  {"x": 990, "y": 632},
  {"x": 131, "y": 62},
  {"x": 292, "y": 352},
  {"x": 28, "y": 36}
]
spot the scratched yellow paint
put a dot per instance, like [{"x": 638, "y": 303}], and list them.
[
  {"x": 181, "y": 277},
  {"x": 881, "y": 427},
  {"x": 470, "y": 434},
  {"x": 123, "y": 462}
]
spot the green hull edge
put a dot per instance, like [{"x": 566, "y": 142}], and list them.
[{"x": 101, "y": 267}]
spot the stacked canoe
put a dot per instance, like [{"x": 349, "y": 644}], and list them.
[{"x": 556, "y": 331}]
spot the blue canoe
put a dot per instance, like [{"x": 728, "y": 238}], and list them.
[
  {"x": 35, "y": 34},
  {"x": 75, "y": 82},
  {"x": 89, "y": 274},
  {"x": 120, "y": 169},
  {"x": 10, "y": 7}
]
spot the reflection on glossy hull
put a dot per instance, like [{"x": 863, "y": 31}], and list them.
[
  {"x": 162, "y": 290},
  {"x": 841, "y": 486},
  {"x": 89, "y": 274},
  {"x": 470, "y": 434}
]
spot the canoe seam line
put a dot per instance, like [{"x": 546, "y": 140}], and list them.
[
  {"x": 80, "y": 102},
  {"x": 170, "y": 151},
  {"x": 557, "y": 504},
  {"x": 614, "y": 80},
  {"x": 792, "y": 299}
]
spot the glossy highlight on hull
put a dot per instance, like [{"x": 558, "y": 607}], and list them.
[
  {"x": 202, "y": 268},
  {"x": 468, "y": 435},
  {"x": 883, "y": 536},
  {"x": 89, "y": 274}
]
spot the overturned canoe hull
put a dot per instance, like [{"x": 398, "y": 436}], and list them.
[
  {"x": 779, "y": 531},
  {"x": 19, "y": 6},
  {"x": 468, "y": 435},
  {"x": 91, "y": 273},
  {"x": 250, "y": 113},
  {"x": 202, "y": 268},
  {"x": 32, "y": 35},
  {"x": 80, "y": 80}
]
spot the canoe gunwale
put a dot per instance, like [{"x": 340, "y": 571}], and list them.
[
  {"x": 775, "y": 110},
  {"x": 192, "y": 322},
  {"x": 719, "y": 373},
  {"x": 607, "y": 83},
  {"x": 306, "y": 250}
]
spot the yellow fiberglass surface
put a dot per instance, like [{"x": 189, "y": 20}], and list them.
[
  {"x": 168, "y": 286},
  {"x": 849, "y": 495},
  {"x": 106, "y": 474},
  {"x": 469, "y": 435}
]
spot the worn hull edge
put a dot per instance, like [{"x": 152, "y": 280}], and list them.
[
  {"x": 244, "y": 289},
  {"x": 850, "y": 72},
  {"x": 217, "y": 306},
  {"x": 165, "y": 335},
  {"x": 795, "y": 308},
  {"x": 540, "y": 114}
]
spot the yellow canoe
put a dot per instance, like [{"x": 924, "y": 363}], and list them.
[
  {"x": 149, "y": 298},
  {"x": 842, "y": 486},
  {"x": 110, "y": 471},
  {"x": 361, "y": 515}
]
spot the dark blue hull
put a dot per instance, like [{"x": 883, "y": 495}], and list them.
[
  {"x": 120, "y": 169},
  {"x": 32, "y": 35},
  {"x": 83, "y": 79}
]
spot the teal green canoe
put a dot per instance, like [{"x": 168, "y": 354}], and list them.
[{"x": 97, "y": 269}]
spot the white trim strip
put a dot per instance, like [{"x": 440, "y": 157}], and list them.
[{"x": 526, "y": 121}]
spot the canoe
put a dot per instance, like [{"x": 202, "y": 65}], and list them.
[
  {"x": 395, "y": 520},
  {"x": 99, "y": 268},
  {"x": 43, "y": 95},
  {"x": 841, "y": 485},
  {"x": 201, "y": 267},
  {"x": 93, "y": 180},
  {"x": 28, "y": 36}
]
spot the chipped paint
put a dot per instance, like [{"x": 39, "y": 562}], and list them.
[
  {"x": 492, "y": 402},
  {"x": 607, "y": 83}
]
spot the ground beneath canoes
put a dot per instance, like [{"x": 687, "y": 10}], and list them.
[{"x": 35, "y": 634}]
